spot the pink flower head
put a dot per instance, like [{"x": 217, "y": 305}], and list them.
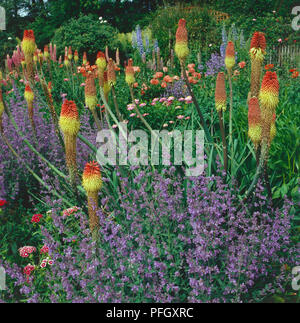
[
  {"x": 44, "y": 249},
  {"x": 26, "y": 251},
  {"x": 70, "y": 211},
  {"x": 132, "y": 115},
  {"x": 143, "y": 105},
  {"x": 130, "y": 107},
  {"x": 44, "y": 263},
  {"x": 279, "y": 40},
  {"x": 180, "y": 117},
  {"x": 28, "y": 270}
]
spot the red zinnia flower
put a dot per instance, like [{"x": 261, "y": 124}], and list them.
[{"x": 3, "y": 202}]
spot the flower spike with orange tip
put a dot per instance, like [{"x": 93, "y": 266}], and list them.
[
  {"x": 257, "y": 54},
  {"x": 92, "y": 183},
  {"x": 101, "y": 61},
  {"x": 220, "y": 93},
  {"x": 28, "y": 47},
  {"x": 106, "y": 86},
  {"x": 90, "y": 91},
  {"x": 70, "y": 124},
  {"x": 181, "y": 45},
  {"x": 111, "y": 73},
  {"x": 258, "y": 46},
  {"x": 46, "y": 52},
  {"x": 70, "y": 54},
  {"x": 268, "y": 98},
  {"x": 76, "y": 57},
  {"x": 230, "y": 56},
  {"x": 129, "y": 73},
  {"x": 269, "y": 91},
  {"x": 254, "y": 122},
  {"x": 28, "y": 43},
  {"x": 84, "y": 59}
]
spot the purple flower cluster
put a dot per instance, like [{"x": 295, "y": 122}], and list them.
[
  {"x": 176, "y": 89},
  {"x": 164, "y": 243},
  {"x": 215, "y": 64}
]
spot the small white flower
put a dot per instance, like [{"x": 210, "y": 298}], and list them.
[{"x": 9, "y": 38}]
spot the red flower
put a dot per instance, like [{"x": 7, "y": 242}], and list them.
[
  {"x": 295, "y": 74},
  {"x": 3, "y": 202},
  {"x": 293, "y": 70},
  {"x": 242, "y": 64},
  {"x": 36, "y": 218},
  {"x": 269, "y": 66}
]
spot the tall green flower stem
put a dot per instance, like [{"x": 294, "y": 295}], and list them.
[
  {"x": 207, "y": 134},
  {"x": 230, "y": 120},
  {"x": 33, "y": 173},
  {"x": 116, "y": 103},
  {"x": 52, "y": 112},
  {"x": 220, "y": 113},
  {"x": 259, "y": 170}
]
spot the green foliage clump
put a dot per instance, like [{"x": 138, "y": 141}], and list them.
[{"x": 85, "y": 34}]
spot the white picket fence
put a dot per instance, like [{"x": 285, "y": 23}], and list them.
[{"x": 283, "y": 55}]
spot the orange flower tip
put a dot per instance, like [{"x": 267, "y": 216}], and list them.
[
  {"x": 258, "y": 41},
  {"x": 230, "y": 55},
  {"x": 181, "y": 45},
  {"x": 28, "y": 95},
  {"x": 91, "y": 178},
  {"x": 69, "y": 118},
  {"x": 269, "y": 91}
]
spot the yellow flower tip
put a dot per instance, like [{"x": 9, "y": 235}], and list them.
[
  {"x": 255, "y": 134},
  {"x": 257, "y": 54},
  {"x": 69, "y": 118},
  {"x": 101, "y": 61},
  {"x": 69, "y": 126},
  {"x": 91, "y": 101},
  {"x": 182, "y": 50},
  {"x": 28, "y": 94},
  {"x": 229, "y": 62},
  {"x": 221, "y": 106},
  {"x": 91, "y": 178}
]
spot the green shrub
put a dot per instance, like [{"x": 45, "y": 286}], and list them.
[{"x": 86, "y": 33}]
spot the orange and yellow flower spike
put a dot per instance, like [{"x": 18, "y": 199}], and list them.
[
  {"x": 181, "y": 45},
  {"x": 129, "y": 73},
  {"x": 230, "y": 56},
  {"x": 92, "y": 183},
  {"x": 254, "y": 122},
  {"x": 220, "y": 93},
  {"x": 70, "y": 125},
  {"x": 28, "y": 43}
]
